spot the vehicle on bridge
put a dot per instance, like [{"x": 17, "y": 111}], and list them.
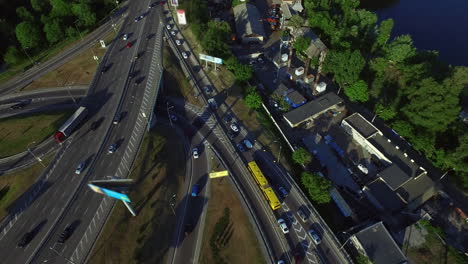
[
  {"x": 69, "y": 126},
  {"x": 265, "y": 187}
]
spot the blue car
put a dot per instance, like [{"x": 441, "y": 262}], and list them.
[{"x": 195, "y": 190}]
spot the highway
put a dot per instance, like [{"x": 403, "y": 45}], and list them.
[{"x": 60, "y": 196}]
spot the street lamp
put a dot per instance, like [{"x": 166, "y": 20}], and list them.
[
  {"x": 168, "y": 115},
  {"x": 172, "y": 203},
  {"x": 81, "y": 36},
  {"x": 36, "y": 157},
  {"x": 30, "y": 59}
]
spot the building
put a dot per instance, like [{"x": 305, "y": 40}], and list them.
[
  {"x": 378, "y": 245},
  {"x": 309, "y": 111},
  {"x": 291, "y": 96},
  {"x": 400, "y": 184},
  {"x": 316, "y": 46},
  {"x": 249, "y": 25}
]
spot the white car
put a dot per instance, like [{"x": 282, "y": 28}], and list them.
[
  {"x": 125, "y": 36},
  {"x": 195, "y": 153},
  {"x": 168, "y": 26},
  {"x": 173, "y": 33},
  {"x": 234, "y": 127},
  {"x": 178, "y": 42},
  {"x": 314, "y": 236},
  {"x": 283, "y": 226},
  {"x": 185, "y": 55}
]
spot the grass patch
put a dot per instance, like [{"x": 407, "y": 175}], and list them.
[
  {"x": 78, "y": 71},
  {"x": 158, "y": 173},
  {"x": 14, "y": 184},
  {"x": 232, "y": 236},
  {"x": 17, "y": 132}
]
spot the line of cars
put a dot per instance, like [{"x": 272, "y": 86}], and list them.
[{"x": 178, "y": 42}]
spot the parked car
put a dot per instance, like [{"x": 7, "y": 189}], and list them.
[
  {"x": 25, "y": 239},
  {"x": 208, "y": 89},
  {"x": 240, "y": 147},
  {"x": 231, "y": 134},
  {"x": 129, "y": 45},
  {"x": 227, "y": 118},
  {"x": 185, "y": 55},
  {"x": 291, "y": 217},
  {"x": 80, "y": 168},
  {"x": 112, "y": 148},
  {"x": 315, "y": 237},
  {"x": 178, "y": 42},
  {"x": 302, "y": 215},
  {"x": 168, "y": 26},
  {"x": 195, "y": 190},
  {"x": 234, "y": 127},
  {"x": 248, "y": 144},
  {"x": 283, "y": 191},
  {"x": 173, "y": 117},
  {"x": 117, "y": 118},
  {"x": 173, "y": 33},
  {"x": 283, "y": 226},
  {"x": 195, "y": 153},
  {"x": 125, "y": 36},
  {"x": 66, "y": 234}
]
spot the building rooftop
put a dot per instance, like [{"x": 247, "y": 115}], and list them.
[
  {"x": 316, "y": 45},
  {"x": 393, "y": 176},
  {"x": 312, "y": 108},
  {"x": 417, "y": 191},
  {"x": 281, "y": 90},
  {"x": 387, "y": 198},
  {"x": 248, "y": 21},
  {"x": 295, "y": 97},
  {"x": 379, "y": 245},
  {"x": 364, "y": 127}
]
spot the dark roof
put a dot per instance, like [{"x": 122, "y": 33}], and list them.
[
  {"x": 312, "y": 108},
  {"x": 417, "y": 191},
  {"x": 361, "y": 125},
  {"x": 389, "y": 200},
  {"x": 281, "y": 90},
  {"x": 248, "y": 20},
  {"x": 379, "y": 245},
  {"x": 295, "y": 97},
  {"x": 393, "y": 176},
  {"x": 316, "y": 45}
]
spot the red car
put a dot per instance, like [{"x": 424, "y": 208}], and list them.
[
  {"x": 129, "y": 44},
  {"x": 162, "y": 2}
]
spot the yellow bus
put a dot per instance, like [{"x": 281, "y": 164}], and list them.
[{"x": 262, "y": 182}]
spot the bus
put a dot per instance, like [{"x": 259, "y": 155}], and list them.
[
  {"x": 265, "y": 187},
  {"x": 67, "y": 128}
]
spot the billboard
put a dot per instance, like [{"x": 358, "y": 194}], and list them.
[
  {"x": 211, "y": 59},
  {"x": 181, "y": 17},
  {"x": 219, "y": 174}
]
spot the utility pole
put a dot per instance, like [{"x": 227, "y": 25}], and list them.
[{"x": 168, "y": 114}]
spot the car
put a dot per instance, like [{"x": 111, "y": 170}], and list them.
[
  {"x": 227, "y": 118},
  {"x": 314, "y": 236},
  {"x": 240, "y": 147},
  {"x": 283, "y": 226},
  {"x": 173, "y": 33},
  {"x": 195, "y": 190},
  {"x": 150, "y": 6},
  {"x": 248, "y": 144},
  {"x": 283, "y": 191},
  {"x": 25, "y": 239},
  {"x": 213, "y": 104},
  {"x": 291, "y": 217},
  {"x": 280, "y": 262},
  {"x": 234, "y": 127},
  {"x": 185, "y": 55},
  {"x": 129, "y": 45},
  {"x": 166, "y": 12},
  {"x": 112, "y": 148},
  {"x": 231, "y": 134},
  {"x": 178, "y": 42},
  {"x": 208, "y": 89},
  {"x": 16, "y": 106},
  {"x": 66, "y": 234},
  {"x": 125, "y": 37},
  {"x": 302, "y": 215},
  {"x": 21, "y": 104},
  {"x": 162, "y": 2},
  {"x": 195, "y": 153},
  {"x": 188, "y": 229},
  {"x": 117, "y": 118},
  {"x": 173, "y": 117},
  {"x": 168, "y": 26},
  {"x": 104, "y": 68},
  {"x": 80, "y": 168}
]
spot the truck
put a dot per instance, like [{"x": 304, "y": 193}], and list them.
[{"x": 71, "y": 124}]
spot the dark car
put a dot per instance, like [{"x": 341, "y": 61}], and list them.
[
  {"x": 66, "y": 234},
  {"x": 20, "y": 105},
  {"x": 208, "y": 89},
  {"x": 231, "y": 134},
  {"x": 227, "y": 118},
  {"x": 240, "y": 147},
  {"x": 24, "y": 241}
]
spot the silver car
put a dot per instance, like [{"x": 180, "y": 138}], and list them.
[{"x": 80, "y": 168}]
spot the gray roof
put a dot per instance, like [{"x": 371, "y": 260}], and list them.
[
  {"x": 281, "y": 90},
  {"x": 361, "y": 125},
  {"x": 393, "y": 176},
  {"x": 312, "y": 108},
  {"x": 296, "y": 97},
  {"x": 316, "y": 45},
  {"x": 417, "y": 191},
  {"x": 389, "y": 200},
  {"x": 248, "y": 20},
  {"x": 379, "y": 245}
]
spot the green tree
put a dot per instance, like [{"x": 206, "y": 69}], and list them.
[
  {"x": 301, "y": 156},
  {"x": 357, "y": 92},
  {"x": 60, "y": 8},
  {"x": 400, "y": 49},
  {"x": 12, "y": 56},
  {"x": 301, "y": 44},
  {"x": 317, "y": 187},
  {"x": 241, "y": 71},
  {"x": 362, "y": 259},
  {"x": 253, "y": 100},
  {"x": 383, "y": 33},
  {"x": 85, "y": 14},
  {"x": 296, "y": 21},
  {"x": 215, "y": 39},
  {"x": 458, "y": 159},
  {"x": 385, "y": 112},
  {"x": 346, "y": 65},
  {"x": 29, "y": 35},
  {"x": 40, "y": 5},
  {"x": 24, "y": 14},
  {"x": 53, "y": 31}
]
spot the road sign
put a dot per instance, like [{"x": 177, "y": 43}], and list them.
[
  {"x": 211, "y": 59},
  {"x": 219, "y": 174}
]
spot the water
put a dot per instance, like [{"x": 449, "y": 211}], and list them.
[{"x": 433, "y": 24}]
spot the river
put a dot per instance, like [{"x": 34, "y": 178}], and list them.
[{"x": 433, "y": 24}]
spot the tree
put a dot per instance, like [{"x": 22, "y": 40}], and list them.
[
  {"x": 85, "y": 14},
  {"x": 24, "y": 14},
  {"x": 53, "y": 31},
  {"x": 362, "y": 259},
  {"x": 346, "y": 65},
  {"x": 12, "y": 56},
  {"x": 40, "y": 6},
  {"x": 216, "y": 37},
  {"x": 385, "y": 112},
  {"x": 253, "y": 100},
  {"x": 241, "y": 71},
  {"x": 384, "y": 33},
  {"x": 29, "y": 35},
  {"x": 400, "y": 49},
  {"x": 296, "y": 21},
  {"x": 301, "y": 44},
  {"x": 458, "y": 160},
  {"x": 317, "y": 187},
  {"x": 60, "y": 8},
  {"x": 357, "y": 92},
  {"x": 301, "y": 156}
]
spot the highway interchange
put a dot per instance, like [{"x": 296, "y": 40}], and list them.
[{"x": 62, "y": 197}]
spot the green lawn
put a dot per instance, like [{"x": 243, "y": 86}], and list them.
[{"x": 17, "y": 132}]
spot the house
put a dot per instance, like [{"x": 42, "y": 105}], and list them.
[
  {"x": 316, "y": 46},
  {"x": 249, "y": 25},
  {"x": 309, "y": 111},
  {"x": 378, "y": 245},
  {"x": 400, "y": 184},
  {"x": 291, "y": 96}
]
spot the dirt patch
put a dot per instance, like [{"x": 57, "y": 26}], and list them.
[{"x": 158, "y": 174}]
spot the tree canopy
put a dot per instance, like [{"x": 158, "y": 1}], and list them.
[
  {"x": 253, "y": 100},
  {"x": 301, "y": 44},
  {"x": 345, "y": 65},
  {"x": 301, "y": 156},
  {"x": 357, "y": 92},
  {"x": 318, "y": 187},
  {"x": 29, "y": 35}
]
